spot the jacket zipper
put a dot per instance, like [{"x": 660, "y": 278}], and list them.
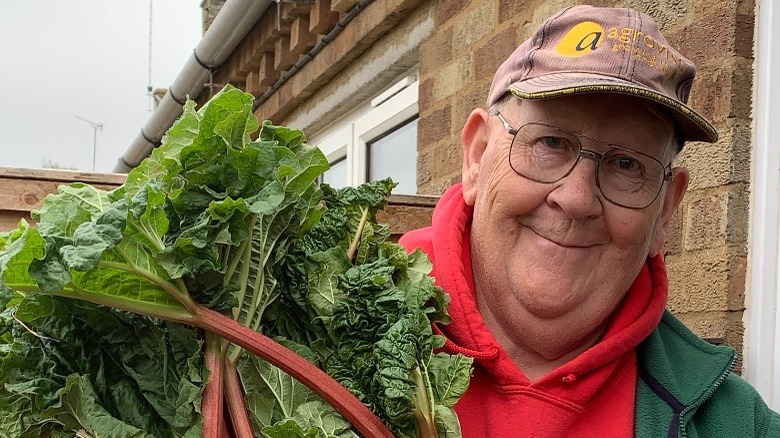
[{"x": 705, "y": 396}]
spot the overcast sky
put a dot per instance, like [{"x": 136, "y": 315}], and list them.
[{"x": 88, "y": 58}]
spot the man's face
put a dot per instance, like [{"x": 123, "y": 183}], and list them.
[{"x": 561, "y": 251}]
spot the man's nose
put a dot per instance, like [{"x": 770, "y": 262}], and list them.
[{"x": 578, "y": 194}]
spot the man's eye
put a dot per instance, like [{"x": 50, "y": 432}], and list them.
[
  {"x": 628, "y": 164},
  {"x": 553, "y": 142}
]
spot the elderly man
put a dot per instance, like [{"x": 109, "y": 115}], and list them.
[{"x": 551, "y": 246}]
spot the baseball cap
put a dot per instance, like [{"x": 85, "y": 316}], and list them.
[{"x": 586, "y": 49}]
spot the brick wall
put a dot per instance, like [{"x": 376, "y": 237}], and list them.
[
  {"x": 278, "y": 63},
  {"x": 706, "y": 251},
  {"x": 708, "y": 255}
]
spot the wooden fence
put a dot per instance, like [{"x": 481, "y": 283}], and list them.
[{"x": 23, "y": 190}]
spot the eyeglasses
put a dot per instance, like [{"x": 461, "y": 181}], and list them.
[{"x": 547, "y": 154}]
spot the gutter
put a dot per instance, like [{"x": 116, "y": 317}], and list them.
[{"x": 231, "y": 25}]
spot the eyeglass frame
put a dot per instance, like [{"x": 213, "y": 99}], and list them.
[{"x": 589, "y": 154}]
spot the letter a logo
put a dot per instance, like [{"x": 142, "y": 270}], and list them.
[{"x": 581, "y": 39}]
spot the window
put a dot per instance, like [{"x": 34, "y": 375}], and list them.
[
  {"x": 395, "y": 155},
  {"x": 376, "y": 140},
  {"x": 336, "y": 176},
  {"x": 335, "y": 146}
]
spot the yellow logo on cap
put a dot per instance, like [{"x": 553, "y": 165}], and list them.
[{"x": 581, "y": 39}]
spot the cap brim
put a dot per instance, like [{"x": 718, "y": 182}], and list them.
[{"x": 693, "y": 125}]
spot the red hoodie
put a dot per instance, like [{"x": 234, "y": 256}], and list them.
[{"x": 590, "y": 396}]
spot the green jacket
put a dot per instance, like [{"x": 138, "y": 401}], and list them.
[{"x": 686, "y": 389}]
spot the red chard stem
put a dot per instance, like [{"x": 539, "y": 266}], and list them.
[{"x": 332, "y": 392}]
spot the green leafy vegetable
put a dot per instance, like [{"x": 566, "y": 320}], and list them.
[{"x": 128, "y": 313}]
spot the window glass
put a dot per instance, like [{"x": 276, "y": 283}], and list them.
[
  {"x": 336, "y": 176},
  {"x": 395, "y": 155}
]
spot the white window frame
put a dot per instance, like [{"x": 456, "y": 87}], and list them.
[
  {"x": 350, "y": 135},
  {"x": 762, "y": 321},
  {"x": 336, "y": 146}
]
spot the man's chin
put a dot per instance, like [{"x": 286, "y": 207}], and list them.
[{"x": 549, "y": 304}]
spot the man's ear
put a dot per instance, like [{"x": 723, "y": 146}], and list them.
[
  {"x": 674, "y": 195},
  {"x": 474, "y": 138}
]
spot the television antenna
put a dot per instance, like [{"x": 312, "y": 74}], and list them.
[
  {"x": 149, "y": 88},
  {"x": 96, "y": 126}
]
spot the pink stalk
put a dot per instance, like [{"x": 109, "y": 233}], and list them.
[
  {"x": 213, "y": 418},
  {"x": 347, "y": 404},
  {"x": 234, "y": 397}
]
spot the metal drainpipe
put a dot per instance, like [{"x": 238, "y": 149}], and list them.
[
  {"x": 230, "y": 26},
  {"x": 195, "y": 72}
]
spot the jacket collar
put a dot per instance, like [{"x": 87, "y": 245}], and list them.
[
  {"x": 678, "y": 372},
  {"x": 673, "y": 350}
]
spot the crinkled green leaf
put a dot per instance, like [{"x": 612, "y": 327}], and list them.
[
  {"x": 289, "y": 138},
  {"x": 450, "y": 376},
  {"x": 289, "y": 429},
  {"x": 325, "y": 419},
  {"x": 16, "y": 257},
  {"x": 377, "y": 311},
  {"x": 324, "y": 291},
  {"x": 242, "y": 226},
  {"x": 79, "y": 409},
  {"x": 274, "y": 395},
  {"x": 446, "y": 421},
  {"x": 92, "y": 238},
  {"x": 71, "y": 206},
  {"x": 72, "y": 365}
]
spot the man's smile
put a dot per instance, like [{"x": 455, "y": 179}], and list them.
[{"x": 551, "y": 237}]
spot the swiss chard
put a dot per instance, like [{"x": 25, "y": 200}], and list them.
[{"x": 212, "y": 239}]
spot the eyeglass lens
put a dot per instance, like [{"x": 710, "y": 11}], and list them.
[{"x": 546, "y": 154}]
